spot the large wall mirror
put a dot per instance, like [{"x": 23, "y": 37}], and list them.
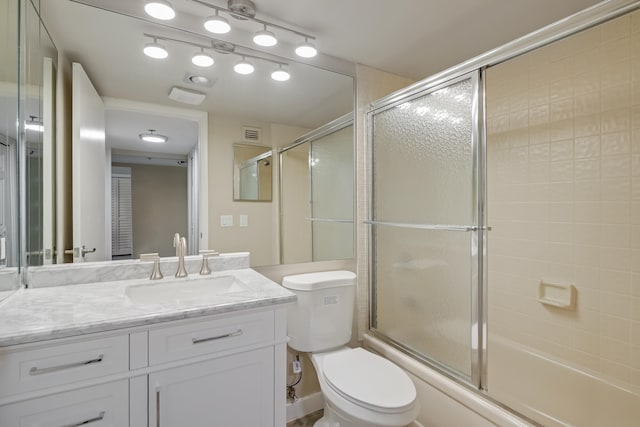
[
  {"x": 27, "y": 138},
  {"x": 189, "y": 182}
]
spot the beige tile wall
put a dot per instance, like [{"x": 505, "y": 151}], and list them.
[{"x": 563, "y": 138}]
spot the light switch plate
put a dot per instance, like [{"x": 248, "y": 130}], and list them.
[
  {"x": 226, "y": 220},
  {"x": 244, "y": 220}
]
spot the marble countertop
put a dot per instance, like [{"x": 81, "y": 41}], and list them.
[{"x": 31, "y": 315}]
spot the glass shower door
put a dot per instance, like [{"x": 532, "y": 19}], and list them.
[{"x": 425, "y": 225}]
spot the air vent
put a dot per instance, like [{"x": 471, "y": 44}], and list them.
[
  {"x": 251, "y": 134},
  {"x": 186, "y": 96}
]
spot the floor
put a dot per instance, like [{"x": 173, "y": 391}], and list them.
[{"x": 306, "y": 421}]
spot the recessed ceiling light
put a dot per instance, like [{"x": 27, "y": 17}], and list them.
[
  {"x": 200, "y": 80},
  {"x": 153, "y": 137},
  {"x": 160, "y": 9}
]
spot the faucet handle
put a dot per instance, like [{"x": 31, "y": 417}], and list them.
[
  {"x": 176, "y": 243},
  {"x": 206, "y": 253},
  {"x": 156, "y": 274}
]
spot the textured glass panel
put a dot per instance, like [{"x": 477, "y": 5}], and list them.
[
  {"x": 423, "y": 159},
  {"x": 422, "y": 292},
  {"x": 332, "y": 175},
  {"x": 332, "y": 240}
]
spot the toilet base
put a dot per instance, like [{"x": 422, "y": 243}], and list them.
[{"x": 333, "y": 418}]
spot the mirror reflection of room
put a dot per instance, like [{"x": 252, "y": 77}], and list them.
[
  {"x": 223, "y": 210},
  {"x": 252, "y": 173},
  {"x": 150, "y": 162}
]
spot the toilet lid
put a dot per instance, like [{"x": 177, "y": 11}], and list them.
[{"x": 369, "y": 380}]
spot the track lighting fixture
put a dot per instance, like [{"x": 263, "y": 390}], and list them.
[
  {"x": 155, "y": 50},
  {"x": 217, "y": 24},
  {"x": 160, "y": 9},
  {"x": 202, "y": 59},
  {"x": 245, "y": 10}
]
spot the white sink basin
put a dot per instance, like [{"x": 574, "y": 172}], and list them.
[{"x": 187, "y": 290}]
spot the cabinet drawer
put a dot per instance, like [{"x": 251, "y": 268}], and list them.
[
  {"x": 106, "y": 405},
  {"x": 63, "y": 363},
  {"x": 195, "y": 339}
]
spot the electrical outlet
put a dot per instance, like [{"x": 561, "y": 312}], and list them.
[{"x": 297, "y": 366}]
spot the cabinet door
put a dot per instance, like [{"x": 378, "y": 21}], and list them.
[
  {"x": 106, "y": 405},
  {"x": 232, "y": 391}
]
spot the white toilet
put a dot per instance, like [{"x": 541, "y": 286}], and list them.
[{"x": 361, "y": 389}]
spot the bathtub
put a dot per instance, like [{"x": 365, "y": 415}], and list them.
[
  {"x": 537, "y": 387},
  {"x": 554, "y": 393}
]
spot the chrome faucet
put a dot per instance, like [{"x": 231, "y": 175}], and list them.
[{"x": 180, "y": 243}]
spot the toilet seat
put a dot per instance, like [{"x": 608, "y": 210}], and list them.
[{"x": 369, "y": 381}]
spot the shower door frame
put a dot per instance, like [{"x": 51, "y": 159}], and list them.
[{"x": 478, "y": 228}]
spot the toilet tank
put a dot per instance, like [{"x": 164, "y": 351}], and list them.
[{"x": 321, "y": 319}]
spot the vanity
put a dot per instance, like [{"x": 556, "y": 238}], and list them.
[{"x": 204, "y": 350}]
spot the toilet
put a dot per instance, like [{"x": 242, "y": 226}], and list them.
[{"x": 360, "y": 389}]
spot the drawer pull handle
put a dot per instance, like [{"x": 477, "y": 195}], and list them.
[
  {"x": 89, "y": 421},
  {"x": 219, "y": 337},
  {"x": 39, "y": 371}
]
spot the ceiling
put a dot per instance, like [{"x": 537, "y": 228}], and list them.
[{"x": 411, "y": 38}]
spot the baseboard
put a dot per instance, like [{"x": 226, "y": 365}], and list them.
[{"x": 305, "y": 406}]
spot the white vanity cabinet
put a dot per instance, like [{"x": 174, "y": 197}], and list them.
[
  {"x": 235, "y": 390},
  {"x": 219, "y": 370}
]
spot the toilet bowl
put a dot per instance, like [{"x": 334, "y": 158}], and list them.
[{"x": 363, "y": 389}]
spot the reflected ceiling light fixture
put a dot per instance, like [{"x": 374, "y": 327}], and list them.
[
  {"x": 265, "y": 38},
  {"x": 153, "y": 137},
  {"x": 160, "y": 9},
  {"x": 155, "y": 50},
  {"x": 202, "y": 59},
  {"x": 306, "y": 49},
  {"x": 244, "y": 67},
  {"x": 33, "y": 124},
  {"x": 245, "y": 10},
  {"x": 217, "y": 24},
  {"x": 280, "y": 74}
]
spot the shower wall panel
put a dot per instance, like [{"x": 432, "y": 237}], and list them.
[{"x": 563, "y": 171}]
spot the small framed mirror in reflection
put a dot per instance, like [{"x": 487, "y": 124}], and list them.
[{"x": 252, "y": 173}]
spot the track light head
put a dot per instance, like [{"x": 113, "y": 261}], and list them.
[
  {"x": 155, "y": 50},
  {"x": 160, "y": 9},
  {"x": 265, "y": 38},
  {"x": 217, "y": 24},
  {"x": 306, "y": 49}
]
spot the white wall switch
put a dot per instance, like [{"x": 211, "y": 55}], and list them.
[
  {"x": 226, "y": 220},
  {"x": 244, "y": 220}
]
